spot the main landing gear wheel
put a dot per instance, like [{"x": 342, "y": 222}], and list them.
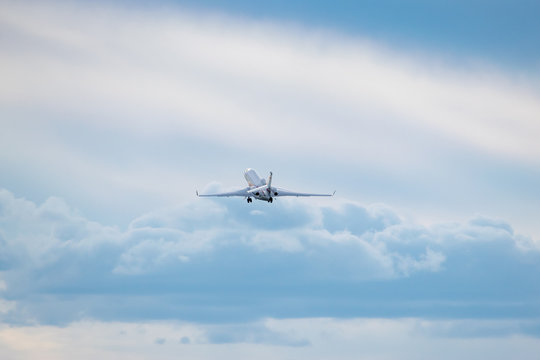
[
  {"x": 270, "y": 200},
  {"x": 249, "y": 200}
]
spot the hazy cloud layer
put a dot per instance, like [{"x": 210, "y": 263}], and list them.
[
  {"x": 314, "y": 338},
  {"x": 218, "y": 260}
]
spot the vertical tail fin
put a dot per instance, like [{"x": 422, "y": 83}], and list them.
[{"x": 270, "y": 180}]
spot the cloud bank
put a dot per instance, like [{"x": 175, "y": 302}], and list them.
[
  {"x": 226, "y": 260},
  {"x": 319, "y": 338}
]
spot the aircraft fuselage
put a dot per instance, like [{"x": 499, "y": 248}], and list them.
[{"x": 260, "y": 189}]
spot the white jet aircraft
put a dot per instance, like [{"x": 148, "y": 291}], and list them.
[{"x": 260, "y": 189}]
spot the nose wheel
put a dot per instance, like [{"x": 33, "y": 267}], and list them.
[
  {"x": 249, "y": 200},
  {"x": 270, "y": 200}
]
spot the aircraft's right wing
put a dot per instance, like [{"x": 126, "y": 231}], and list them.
[
  {"x": 243, "y": 192},
  {"x": 284, "y": 192}
]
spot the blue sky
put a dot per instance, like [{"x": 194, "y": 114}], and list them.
[
  {"x": 423, "y": 116},
  {"x": 506, "y": 32}
]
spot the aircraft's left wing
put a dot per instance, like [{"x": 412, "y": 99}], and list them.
[
  {"x": 284, "y": 192},
  {"x": 243, "y": 192}
]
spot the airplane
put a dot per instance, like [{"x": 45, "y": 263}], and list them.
[{"x": 260, "y": 189}]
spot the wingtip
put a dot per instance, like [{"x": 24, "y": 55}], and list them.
[
  {"x": 197, "y": 192},
  {"x": 334, "y": 193}
]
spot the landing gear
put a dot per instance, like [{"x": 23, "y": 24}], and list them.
[
  {"x": 270, "y": 200},
  {"x": 249, "y": 200}
]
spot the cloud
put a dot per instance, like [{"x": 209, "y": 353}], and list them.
[
  {"x": 313, "y": 338},
  {"x": 101, "y": 118},
  {"x": 254, "y": 74},
  {"x": 466, "y": 328},
  {"x": 6, "y": 306},
  {"x": 101, "y": 103},
  {"x": 216, "y": 261},
  {"x": 257, "y": 333}
]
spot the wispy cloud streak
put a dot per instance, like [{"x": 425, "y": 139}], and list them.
[{"x": 159, "y": 72}]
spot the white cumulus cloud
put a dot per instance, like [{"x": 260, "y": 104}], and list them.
[{"x": 209, "y": 250}]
